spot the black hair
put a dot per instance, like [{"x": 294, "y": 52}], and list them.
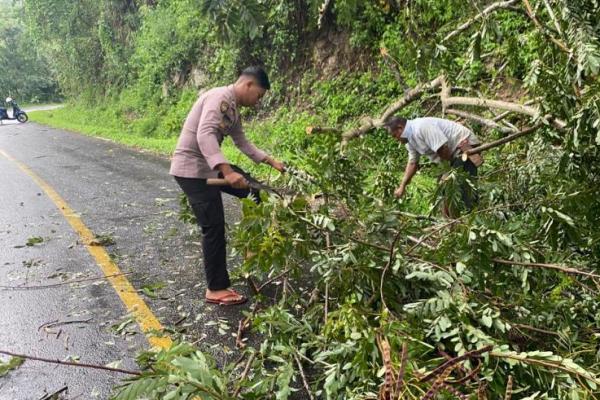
[
  {"x": 259, "y": 75},
  {"x": 394, "y": 122}
]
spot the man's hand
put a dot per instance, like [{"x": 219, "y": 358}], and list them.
[
  {"x": 278, "y": 165},
  {"x": 236, "y": 180},
  {"x": 400, "y": 191},
  {"x": 233, "y": 178}
]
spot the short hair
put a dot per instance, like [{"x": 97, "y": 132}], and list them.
[
  {"x": 259, "y": 75},
  {"x": 394, "y": 122}
]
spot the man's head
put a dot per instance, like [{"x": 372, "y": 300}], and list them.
[
  {"x": 395, "y": 126},
  {"x": 251, "y": 86}
]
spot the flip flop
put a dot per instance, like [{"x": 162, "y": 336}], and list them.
[{"x": 231, "y": 298}]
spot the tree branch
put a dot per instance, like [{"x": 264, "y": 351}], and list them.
[
  {"x": 481, "y": 120},
  {"x": 488, "y": 10},
  {"x": 369, "y": 123},
  {"x": 567, "y": 270},
  {"x": 70, "y": 363},
  {"x": 537, "y": 23},
  {"x": 499, "y": 142}
]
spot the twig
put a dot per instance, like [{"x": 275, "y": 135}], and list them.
[
  {"x": 326, "y": 310},
  {"x": 69, "y": 363},
  {"x": 261, "y": 287},
  {"x": 488, "y": 10},
  {"x": 57, "y": 323},
  {"x": 62, "y": 283},
  {"x": 387, "y": 265},
  {"x": 54, "y": 395},
  {"x": 244, "y": 375},
  {"x": 567, "y": 270},
  {"x": 403, "y": 362},
  {"x": 532, "y": 328},
  {"x": 456, "y": 360},
  {"x": 547, "y": 364},
  {"x": 537, "y": 23},
  {"x": 304, "y": 380},
  {"x": 242, "y": 326}
]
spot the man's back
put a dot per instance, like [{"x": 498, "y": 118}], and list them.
[{"x": 428, "y": 134}]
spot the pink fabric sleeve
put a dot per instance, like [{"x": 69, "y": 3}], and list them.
[{"x": 206, "y": 134}]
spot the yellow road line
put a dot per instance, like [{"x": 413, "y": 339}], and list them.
[{"x": 134, "y": 303}]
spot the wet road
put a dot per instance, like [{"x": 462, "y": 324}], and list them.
[{"x": 130, "y": 202}]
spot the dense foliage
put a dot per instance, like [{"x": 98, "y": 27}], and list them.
[
  {"x": 24, "y": 72},
  {"x": 379, "y": 298}
]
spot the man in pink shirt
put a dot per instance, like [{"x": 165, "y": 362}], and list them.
[{"x": 198, "y": 157}]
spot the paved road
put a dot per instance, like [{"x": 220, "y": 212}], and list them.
[{"x": 124, "y": 195}]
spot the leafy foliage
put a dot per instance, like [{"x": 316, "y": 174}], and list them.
[{"x": 507, "y": 292}]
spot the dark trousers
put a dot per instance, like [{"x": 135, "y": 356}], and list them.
[
  {"x": 469, "y": 196},
  {"x": 207, "y": 205}
]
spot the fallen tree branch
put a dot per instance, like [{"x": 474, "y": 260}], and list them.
[
  {"x": 471, "y": 354},
  {"x": 304, "y": 380},
  {"x": 499, "y": 142},
  {"x": 369, "y": 123},
  {"x": 481, "y": 120},
  {"x": 498, "y": 104},
  {"x": 315, "y": 130},
  {"x": 324, "y": 10},
  {"x": 488, "y": 10},
  {"x": 567, "y": 270},
  {"x": 70, "y": 363},
  {"x": 537, "y": 23},
  {"x": 448, "y": 100},
  {"x": 98, "y": 278},
  {"x": 545, "y": 363},
  {"x": 244, "y": 375}
]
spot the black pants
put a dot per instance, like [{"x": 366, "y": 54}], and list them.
[
  {"x": 207, "y": 204},
  {"x": 469, "y": 196}
]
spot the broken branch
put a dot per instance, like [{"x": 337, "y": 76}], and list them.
[
  {"x": 488, "y": 10},
  {"x": 481, "y": 120},
  {"x": 315, "y": 130},
  {"x": 567, "y": 270},
  {"x": 369, "y": 123},
  {"x": 69, "y": 363},
  {"x": 499, "y": 142}
]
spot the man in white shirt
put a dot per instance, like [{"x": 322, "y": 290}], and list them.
[{"x": 437, "y": 138}]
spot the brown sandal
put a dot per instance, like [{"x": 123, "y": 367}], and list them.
[{"x": 231, "y": 298}]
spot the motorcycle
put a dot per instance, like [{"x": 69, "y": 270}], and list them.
[{"x": 17, "y": 113}]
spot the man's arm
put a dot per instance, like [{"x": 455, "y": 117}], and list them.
[
  {"x": 210, "y": 149},
  {"x": 411, "y": 169},
  {"x": 254, "y": 153}
]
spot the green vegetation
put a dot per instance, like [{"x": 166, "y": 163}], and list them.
[
  {"x": 377, "y": 298},
  {"x": 24, "y": 73}
]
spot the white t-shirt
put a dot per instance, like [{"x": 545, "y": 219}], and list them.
[{"x": 427, "y": 135}]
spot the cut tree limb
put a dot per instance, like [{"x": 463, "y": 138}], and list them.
[
  {"x": 314, "y": 130},
  {"x": 369, "y": 123},
  {"x": 488, "y": 10},
  {"x": 481, "y": 120},
  {"x": 448, "y": 101},
  {"x": 499, "y": 142}
]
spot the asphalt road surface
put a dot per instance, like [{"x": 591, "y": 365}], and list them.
[{"x": 56, "y": 187}]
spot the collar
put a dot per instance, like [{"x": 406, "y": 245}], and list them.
[
  {"x": 408, "y": 131},
  {"x": 230, "y": 93}
]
